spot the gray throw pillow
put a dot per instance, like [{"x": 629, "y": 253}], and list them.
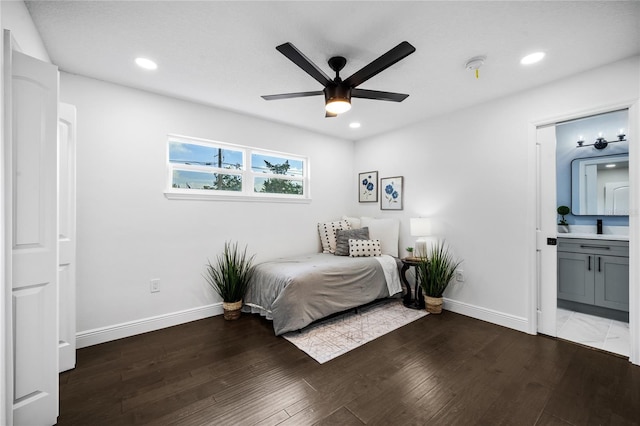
[{"x": 343, "y": 236}]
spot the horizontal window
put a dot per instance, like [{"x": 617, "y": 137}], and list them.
[
  {"x": 188, "y": 179},
  {"x": 278, "y": 186},
  {"x": 201, "y": 155},
  {"x": 205, "y": 169}
]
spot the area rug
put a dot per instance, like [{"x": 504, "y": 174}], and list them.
[{"x": 332, "y": 337}]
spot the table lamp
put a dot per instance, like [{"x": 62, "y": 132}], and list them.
[{"x": 420, "y": 227}]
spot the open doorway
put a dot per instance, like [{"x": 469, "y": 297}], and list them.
[
  {"x": 554, "y": 186},
  {"x": 592, "y": 185}
]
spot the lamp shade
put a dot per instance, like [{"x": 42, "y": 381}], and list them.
[{"x": 420, "y": 226}]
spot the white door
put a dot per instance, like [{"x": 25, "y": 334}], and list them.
[
  {"x": 67, "y": 236},
  {"x": 546, "y": 230},
  {"x": 616, "y": 198},
  {"x": 31, "y": 100}
]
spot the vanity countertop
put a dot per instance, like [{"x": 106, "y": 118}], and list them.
[{"x": 615, "y": 237}]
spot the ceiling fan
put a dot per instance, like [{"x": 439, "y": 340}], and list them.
[{"x": 338, "y": 92}]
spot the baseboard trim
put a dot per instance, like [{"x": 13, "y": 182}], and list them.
[
  {"x": 144, "y": 325},
  {"x": 488, "y": 315}
]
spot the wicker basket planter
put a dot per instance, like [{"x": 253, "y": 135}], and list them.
[
  {"x": 232, "y": 310},
  {"x": 433, "y": 304}
]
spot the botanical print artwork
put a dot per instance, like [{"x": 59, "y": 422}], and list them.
[
  {"x": 391, "y": 198},
  {"x": 368, "y": 187}
]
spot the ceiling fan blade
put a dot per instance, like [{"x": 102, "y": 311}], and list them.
[
  {"x": 328, "y": 114},
  {"x": 377, "y": 95},
  {"x": 291, "y": 95},
  {"x": 298, "y": 58},
  {"x": 399, "y": 52}
]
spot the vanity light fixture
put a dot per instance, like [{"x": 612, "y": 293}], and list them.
[{"x": 601, "y": 142}]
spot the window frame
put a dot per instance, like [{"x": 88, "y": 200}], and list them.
[{"x": 247, "y": 174}]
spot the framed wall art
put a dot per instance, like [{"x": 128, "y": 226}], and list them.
[
  {"x": 391, "y": 193},
  {"x": 368, "y": 187}
]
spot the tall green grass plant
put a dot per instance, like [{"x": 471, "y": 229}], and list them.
[
  {"x": 231, "y": 272},
  {"x": 436, "y": 271}
]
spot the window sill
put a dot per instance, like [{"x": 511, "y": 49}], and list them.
[{"x": 242, "y": 198}]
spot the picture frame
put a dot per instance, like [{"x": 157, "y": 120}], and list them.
[
  {"x": 368, "y": 187},
  {"x": 391, "y": 193}
]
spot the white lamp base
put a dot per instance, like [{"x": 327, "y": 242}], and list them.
[{"x": 420, "y": 249}]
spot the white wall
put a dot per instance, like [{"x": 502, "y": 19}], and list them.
[
  {"x": 16, "y": 17},
  {"x": 129, "y": 233},
  {"x": 471, "y": 171}
]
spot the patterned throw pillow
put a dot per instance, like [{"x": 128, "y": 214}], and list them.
[
  {"x": 343, "y": 236},
  {"x": 354, "y": 222},
  {"x": 364, "y": 248},
  {"x": 327, "y": 233}
]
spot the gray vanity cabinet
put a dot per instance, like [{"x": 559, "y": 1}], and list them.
[
  {"x": 612, "y": 283},
  {"x": 576, "y": 280},
  {"x": 594, "y": 272}
]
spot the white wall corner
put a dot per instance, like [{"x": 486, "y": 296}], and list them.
[
  {"x": 488, "y": 315},
  {"x": 144, "y": 325}
]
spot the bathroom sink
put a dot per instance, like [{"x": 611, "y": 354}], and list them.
[{"x": 594, "y": 236}]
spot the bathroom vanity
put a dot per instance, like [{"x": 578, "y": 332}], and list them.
[{"x": 593, "y": 274}]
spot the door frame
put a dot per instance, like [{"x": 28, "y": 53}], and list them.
[{"x": 633, "y": 105}]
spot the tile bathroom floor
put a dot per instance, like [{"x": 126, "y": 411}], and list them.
[{"x": 597, "y": 332}]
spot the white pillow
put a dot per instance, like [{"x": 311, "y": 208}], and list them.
[
  {"x": 327, "y": 233},
  {"x": 354, "y": 222},
  {"x": 386, "y": 230},
  {"x": 364, "y": 248}
]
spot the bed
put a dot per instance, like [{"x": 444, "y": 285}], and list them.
[{"x": 296, "y": 291}]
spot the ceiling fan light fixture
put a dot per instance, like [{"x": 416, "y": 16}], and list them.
[
  {"x": 337, "y": 99},
  {"x": 338, "y": 106}
]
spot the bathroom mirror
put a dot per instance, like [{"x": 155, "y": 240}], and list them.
[{"x": 600, "y": 185}]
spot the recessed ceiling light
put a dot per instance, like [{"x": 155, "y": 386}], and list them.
[
  {"x": 354, "y": 125},
  {"x": 532, "y": 58},
  {"x": 610, "y": 166},
  {"x": 147, "y": 64}
]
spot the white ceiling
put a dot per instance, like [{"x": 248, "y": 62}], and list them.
[{"x": 222, "y": 53}]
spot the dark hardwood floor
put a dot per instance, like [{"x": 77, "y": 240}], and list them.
[{"x": 446, "y": 369}]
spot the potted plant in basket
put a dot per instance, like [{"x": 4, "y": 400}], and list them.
[
  {"x": 434, "y": 273},
  {"x": 563, "y": 225},
  {"x": 229, "y": 277}
]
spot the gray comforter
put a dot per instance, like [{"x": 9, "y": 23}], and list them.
[{"x": 294, "y": 292}]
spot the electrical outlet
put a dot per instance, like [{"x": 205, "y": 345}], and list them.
[
  {"x": 460, "y": 276},
  {"x": 155, "y": 286}
]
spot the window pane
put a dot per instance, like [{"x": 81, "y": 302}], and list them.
[
  {"x": 186, "y": 153},
  {"x": 276, "y": 165},
  {"x": 203, "y": 180},
  {"x": 278, "y": 186}
]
